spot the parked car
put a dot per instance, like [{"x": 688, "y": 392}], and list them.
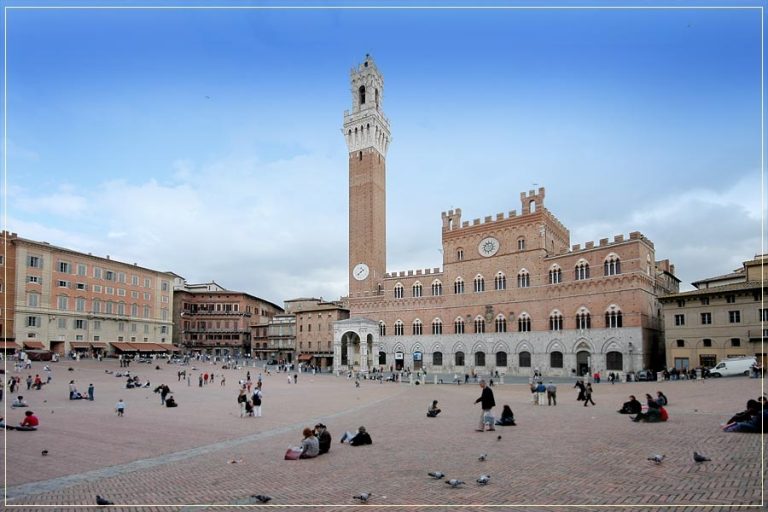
[
  {"x": 646, "y": 375},
  {"x": 733, "y": 366}
]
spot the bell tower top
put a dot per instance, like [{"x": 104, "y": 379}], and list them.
[
  {"x": 367, "y": 86},
  {"x": 366, "y": 126}
]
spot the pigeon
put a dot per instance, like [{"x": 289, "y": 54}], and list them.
[
  {"x": 656, "y": 458},
  {"x": 482, "y": 457},
  {"x": 700, "y": 458},
  {"x": 235, "y": 461},
  {"x": 44, "y": 453},
  {"x": 437, "y": 475},
  {"x": 363, "y": 496},
  {"x": 261, "y": 497},
  {"x": 454, "y": 482},
  {"x": 484, "y": 479},
  {"x": 498, "y": 438},
  {"x": 102, "y": 501}
]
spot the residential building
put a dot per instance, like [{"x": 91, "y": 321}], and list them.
[
  {"x": 314, "y": 329},
  {"x": 725, "y": 316},
  {"x": 7, "y": 295},
  {"x": 512, "y": 294},
  {"x": 66, "y": 301},
  {"x": 217, "y": 321}
]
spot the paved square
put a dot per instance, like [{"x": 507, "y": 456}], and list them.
[{"x": 565, "y": 455}]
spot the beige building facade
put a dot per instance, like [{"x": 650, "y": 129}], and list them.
[
  {"x": 724, "y": 317},
  {"x": 512, "y": 294},
  {"x": 315, "y": 319},
  {"x": 66, "y": 300}
]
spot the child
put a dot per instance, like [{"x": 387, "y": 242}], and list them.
[{"x": 120, "y": 407}]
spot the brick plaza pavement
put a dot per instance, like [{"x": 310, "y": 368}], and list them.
[{"x": 556, "y": 457}]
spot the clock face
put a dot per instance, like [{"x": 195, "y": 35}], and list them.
[
  {"x": 488, "y": 247},
  {"x": 360, "y": 272}
]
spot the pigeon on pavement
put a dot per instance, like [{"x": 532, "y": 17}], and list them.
[
  {"x": 700, "y": 458},
  {"x": 482, "y": 457},
  {"x": 656, "y": 458},
  {"x": 261, "y": 497},
  {"x": 437, "y": 475},
  {"x": 499, "y": 438},
  {"x": 102, "y": 501},
  {"x": 484, "y": 479},
  {"x": 363, "y": 496},
  {"x": 454, "y": 482},
  {"x": 44, "y": 453}
]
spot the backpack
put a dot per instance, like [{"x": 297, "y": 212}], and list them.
[{"x": 257, "y": 398}]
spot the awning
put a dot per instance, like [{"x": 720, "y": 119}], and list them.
[
  {"x": 123, "y": 347},
  {"x": 34, "y": 345},
  {"x": 176, "y": 348},
  {"x": 305, "y": 357},
  {"x": 98, "y": 344},
  {"x": 147, "y": 347},
  {"x": 8, "y": 345},
  {"x": 83, "y": 345}
]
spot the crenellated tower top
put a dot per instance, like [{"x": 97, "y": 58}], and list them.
[{"x": 365, "y": 126}]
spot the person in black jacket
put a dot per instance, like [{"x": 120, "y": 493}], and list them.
[
  {"x": 324, "y": 437},
  {"x": 633, "y": 406},
  {"x": 486, "y": 404},
  {"x": 362, "y": 437}
]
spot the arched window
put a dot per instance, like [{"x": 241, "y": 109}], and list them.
[
  {"x": 417, "y": 289},
  {"x": 582, "y": 270},
  {"x": 417, "y": 327},
  {"x": 556, "y": 360},
  {"x": 612, "y": 265},
  {"x": 361, "y": 92},
  {"x": 382, "y": 329},
  {"x": 398, "y": 291},
  {"x": 479, "y": 325},
  {"x": 458, "y": 286},
  {"x": 501, "y": 324},
  {"x": 437, "y": 358},
  {"x": 524, "y": 323},
  {"x": 437, "y": 288},
  {"x": 614, "y": 361},
  {"x": 459, "y": 358},
  {"x": 523, "y": 279},
  {"x": 458, "y": 326},
  {"x": 479, "y": 358},
  {"x": 583, "y": 319},
  {"x": 479, "y": 283},
  {"x": 399, "y": 328},
  {"x": 500, "y": 281},
  {"x": 524, "y": 359},
  {"x": 521, "y": 244},
  {"x": 555, "y": 321},
  {"x": 382, "y": 357},
  {"x": 460, "y": 254},
  {"x": 437, "y": 326},
  {"x": 613, "y": 318},
  {"x": 501, "y": 359},
  {"x": 555, "y": 275}
]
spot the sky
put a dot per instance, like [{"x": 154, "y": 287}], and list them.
[{"x": 207, "y": 142}]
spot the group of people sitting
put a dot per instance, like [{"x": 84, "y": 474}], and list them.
[
  {"x": 19, "y": 402},
  {"x": 751, "y": 419},
  {"x": 507, "y": 416},
  {"x": 316, "y": 442},
  {"x": 135, "y": 383},
  {"x": 654, "y": 413}
]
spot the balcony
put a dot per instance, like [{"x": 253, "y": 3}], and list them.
[{"x": 205, "y": 312}]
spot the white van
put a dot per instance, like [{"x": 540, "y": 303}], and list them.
[{"x": 734, "y": 366}]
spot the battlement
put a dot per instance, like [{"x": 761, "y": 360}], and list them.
[
  {"x": 413, "y": 273},
  {"x": 605, "y": 242}
]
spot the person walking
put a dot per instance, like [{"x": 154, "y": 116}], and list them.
[
  {"x": 257, "y": 395},
  {"x": 487, "y": 403},
  {"x": 120, "y": 407},
  {"x": 90, "y": 392},
  {"x": 588, "y": 395},
  {"x": 551, "y": 394}
]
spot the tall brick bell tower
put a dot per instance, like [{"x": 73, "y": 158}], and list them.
[{"x": 366, "y": 131}]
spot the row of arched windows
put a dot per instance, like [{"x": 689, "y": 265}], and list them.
[
  {"x": 613, "y": 360},
  {"x": 583, "y": 321},
  {"x": 611, "y": 267}
]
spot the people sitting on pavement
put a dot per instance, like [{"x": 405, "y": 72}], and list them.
[
  {"x": 19, "y": 402},
  {"x": 661, "y": 398},
  {"x": 507, "y": 417},
  {"x": 750, "y": 420},
  {"x": 323, "y": 438},
  {"x": 633, "y": 406},
  {"x": 433, "y": 410},
  {"x": 310, "y": 445},
  {"x": 362, "y": 437},
  {"x": 29, "y": 423},
  {"x": 654, "y": 414},
  {"x": 170, "y": 402}
]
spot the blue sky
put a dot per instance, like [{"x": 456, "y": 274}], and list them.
[{"x": 208, "y": 142}]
